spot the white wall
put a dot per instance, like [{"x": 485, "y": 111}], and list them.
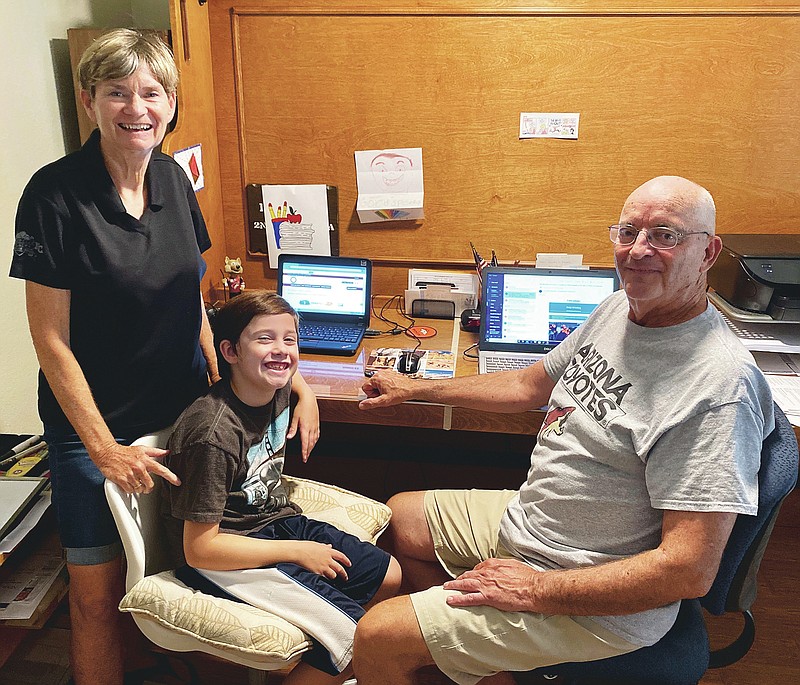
[
  {"x": 37, "y": 126},
  {"x": 150, "y": 14}
]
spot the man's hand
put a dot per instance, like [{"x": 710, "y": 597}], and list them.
[
  {"x": 321, "y": 559},
  {"x": 130, "y": 467},
  {"x": 505, "y": 584},
  {"x": 386, "y": 388}
]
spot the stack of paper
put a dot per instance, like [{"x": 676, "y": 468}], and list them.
[
  {"x": 776, "y": 349},
  {"x": 21, "y": 593},
  {"x": 783, "y": 373}
]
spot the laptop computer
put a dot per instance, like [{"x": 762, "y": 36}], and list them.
[
  {"x": 332, "y": 297},
  {"x": 526, "y": 312}
]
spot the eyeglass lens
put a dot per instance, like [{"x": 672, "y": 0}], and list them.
[{"x": 662, "y": 237}]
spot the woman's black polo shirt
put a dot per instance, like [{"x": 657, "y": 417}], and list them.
[{"x": 135, "y": 311}]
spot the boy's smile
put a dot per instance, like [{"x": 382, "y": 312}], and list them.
[{"x": 264, "y": 359}]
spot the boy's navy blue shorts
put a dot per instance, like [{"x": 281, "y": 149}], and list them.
[{"x": 326, "y": 609}]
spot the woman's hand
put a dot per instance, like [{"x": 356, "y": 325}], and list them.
[
  {"x": 306, "y": 420},
  {"x": 321, "y": 559},
  {"x": 130, "y": 467},
  {"x": 305, "y": 417}
]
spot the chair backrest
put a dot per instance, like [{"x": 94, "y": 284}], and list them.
[
  {"x": 139, "y": 522},
  {"x": 735, "y": 586}
]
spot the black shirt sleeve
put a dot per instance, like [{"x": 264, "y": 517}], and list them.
[
  {"x": 39, "y": 245},
  {"x": 200, "y": 229}
]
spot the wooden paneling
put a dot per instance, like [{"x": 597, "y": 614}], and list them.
[
  {"x": 191, "y": 44},
  {"x": 78, "y": 40},
  {"x": 708, "y": 92}
]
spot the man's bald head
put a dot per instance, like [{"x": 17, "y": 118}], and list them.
[{"x": 687, "y": 197}]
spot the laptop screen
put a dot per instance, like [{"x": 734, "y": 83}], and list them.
[
  {"x": 532, "y": 310},
  {"x": 326, "y": 288}
]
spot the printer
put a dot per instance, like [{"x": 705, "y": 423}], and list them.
[{"x": 759, "y": 273}]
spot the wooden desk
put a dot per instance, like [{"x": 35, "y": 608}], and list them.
[
  {"x": 415, "y": 445},
  {"x": 448, "y": 447},
  {"x": 337, "y": 382}
]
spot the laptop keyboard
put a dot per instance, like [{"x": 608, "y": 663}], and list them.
[
  {"x": 507, "y": 363},
  {"x": 339, "y": 333}
]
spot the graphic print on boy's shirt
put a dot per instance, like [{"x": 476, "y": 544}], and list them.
[{"x": 263, "y": 488}]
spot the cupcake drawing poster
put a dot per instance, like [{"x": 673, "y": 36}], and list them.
[{"x": 296, "y": 220}]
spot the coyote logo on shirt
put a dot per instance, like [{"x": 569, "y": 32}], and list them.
[{"x": 555, "y": 420}]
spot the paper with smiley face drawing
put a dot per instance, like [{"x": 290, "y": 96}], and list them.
[{"x": 390, "y": 185}]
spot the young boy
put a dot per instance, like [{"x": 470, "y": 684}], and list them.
[{"x": 240, "y": 535}]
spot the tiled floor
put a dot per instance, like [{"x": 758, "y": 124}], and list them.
[{"x": 42, "y": 659}]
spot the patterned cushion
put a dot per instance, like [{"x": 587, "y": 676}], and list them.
[
  {"x": 239, "y": 627},
  {"x": 353, "y": 513},
  {"x": 222, "y": 623}
]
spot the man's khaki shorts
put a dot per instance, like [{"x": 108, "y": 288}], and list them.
[{"x": 470, "y": 643}]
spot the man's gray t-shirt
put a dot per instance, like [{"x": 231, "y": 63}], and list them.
[{"x": 640, "y": 420}]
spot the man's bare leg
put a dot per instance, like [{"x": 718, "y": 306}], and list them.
[
  {"x": 412, "y": 544},
  {"x": 96, "y": 641},
  {"x": 389, "y": 646},
  {"x": 390, "y": 585}
]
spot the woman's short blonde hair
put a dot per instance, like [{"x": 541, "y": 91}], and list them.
[{"x": 118, "y": 53}]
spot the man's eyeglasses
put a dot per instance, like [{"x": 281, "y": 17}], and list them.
[{"x": 659, "y": 237}]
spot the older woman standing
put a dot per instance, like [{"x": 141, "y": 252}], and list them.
[{"x": 109, "y": 240}]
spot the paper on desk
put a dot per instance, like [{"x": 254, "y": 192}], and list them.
[
  {"x": 22, "y": 591},
  {"x": 781, "y": 363},
  {"x": 786, "y": 392},
  {"x": 463, "y": 282},
  {"x": 766, "y": 337},
  {"x": 10, "y": 541},
  {"x": 432, "y": 363}
]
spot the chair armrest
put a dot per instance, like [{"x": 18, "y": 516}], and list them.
[{"x": 353, "y": 513}]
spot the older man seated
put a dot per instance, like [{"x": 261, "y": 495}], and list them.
[{"x": 649, "y": 450}]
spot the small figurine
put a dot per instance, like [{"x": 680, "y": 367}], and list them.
[{"x": 232, "y": 279}]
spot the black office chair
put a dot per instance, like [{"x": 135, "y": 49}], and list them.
[{"x": 683, "y": 655}]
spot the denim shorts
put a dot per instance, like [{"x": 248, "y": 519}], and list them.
[{"x": 85, "y": 524}]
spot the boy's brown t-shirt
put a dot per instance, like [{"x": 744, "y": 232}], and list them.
[{"x": 229, "y": 457}]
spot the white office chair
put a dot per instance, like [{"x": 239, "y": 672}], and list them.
[{"x": 178, "y": 618}]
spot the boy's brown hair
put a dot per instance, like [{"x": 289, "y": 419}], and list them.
[{"x": 237, "y": 313}]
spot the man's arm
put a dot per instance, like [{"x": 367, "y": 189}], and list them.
[
  {"x": 683, "y": 566},
  {"x": 505, "y": 392}
]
